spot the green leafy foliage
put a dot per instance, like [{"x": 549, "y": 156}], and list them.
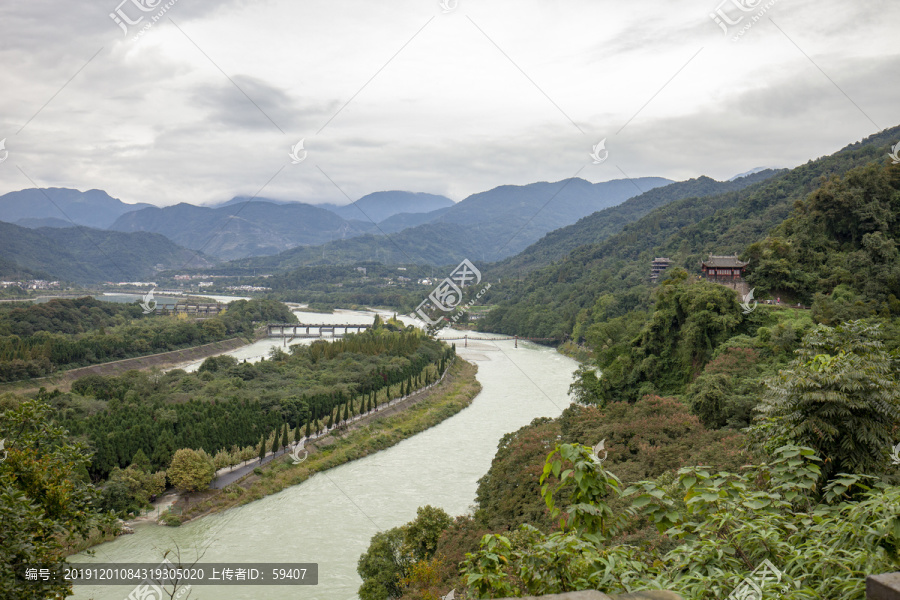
[
  {"x": 46, "y": 500},
  {"x": 823, "y": 541},
  {"x": 191, "y": 470},
  {"x": 839, "y": 396},
  {"x": 391, "y": 553}
]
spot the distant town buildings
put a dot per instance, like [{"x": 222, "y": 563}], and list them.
[
  {"x": 31, "y": 284},
  {"x": 247, "y": 288},
  {"x": 134, "y": 283}
]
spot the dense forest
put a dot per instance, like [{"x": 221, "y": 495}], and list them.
[
  {"x": 604, "y": 223},
  {"x": 37, "y": 339}
]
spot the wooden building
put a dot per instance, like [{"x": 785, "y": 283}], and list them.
[{"x": 723, "y": 269}]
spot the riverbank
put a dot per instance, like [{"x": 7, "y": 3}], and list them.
[{"x": 371, "y": 434}]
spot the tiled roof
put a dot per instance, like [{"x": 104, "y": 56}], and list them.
[{"x": 723, "y": 261}]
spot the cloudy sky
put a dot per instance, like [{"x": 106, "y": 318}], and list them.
[{"x": 207, "y": 101}]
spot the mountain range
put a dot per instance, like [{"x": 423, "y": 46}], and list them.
[
  {"x": 58, "y": 207},
  {"x": 485, "y": 226},
  {"x": 393, "y": 226}
]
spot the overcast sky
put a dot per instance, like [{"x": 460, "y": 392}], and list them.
[{"x": 207, "y": 103}]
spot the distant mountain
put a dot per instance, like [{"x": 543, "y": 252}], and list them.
[
  {"x": 602, "y": 224},
  {"x": 93, "y": 208},
  {"x": 403, "y": 221},
  {"x": 378, "y": 206},
  {"x": 254, "y": 228},
  {"x": 92, "y": 255},
  {"x": 485, "y": 226},
  {"x": 45, "y": 222},
  {"x": 752, "y": 171},
  {"x": 243, "y": 199}
]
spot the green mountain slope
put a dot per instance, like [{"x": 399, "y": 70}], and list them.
[
  {"x": 91, "y": 255},
  {"x": 597, "y": 227},
  {"x": 600, "y": 281},
  {"x": 249, "y": 229}
]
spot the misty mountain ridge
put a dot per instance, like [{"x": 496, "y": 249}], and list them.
[{"x": 93, "y": 208}]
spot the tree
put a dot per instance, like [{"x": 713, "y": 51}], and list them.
[
  {"x": 46, "y": 498},
  {"x": 141, "y": 461},
  {"x": 308, "y": 430},
  {"x": 839, "y": 396},
  {"x": 190, "y": 471},
  {"x": 275, "y": 442},
  {"x": 391, "y": 553},
  {"x": 130, "y": 490},
  {"x": 165, "y": 448},
  {"x": 284, "y": 435},
  {"x": 262, "y": 448}
]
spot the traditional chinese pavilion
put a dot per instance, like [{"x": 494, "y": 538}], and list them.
[
  {"x": 723, "y": 268},
  {"x": 657, "y": 266}
]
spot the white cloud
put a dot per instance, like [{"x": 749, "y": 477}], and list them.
[{"x": 207, "y": 106}]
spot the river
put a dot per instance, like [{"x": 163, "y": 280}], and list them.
[{"x": 330, "y": 518}]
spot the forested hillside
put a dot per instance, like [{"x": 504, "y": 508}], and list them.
[
  {"x": 602, "y": 224},
  {"x": 597, "y": 282},
  {"x": 93, "y": 255}
]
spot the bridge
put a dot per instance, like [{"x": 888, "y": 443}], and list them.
[
  {"x": 192, "y": 309},
  {"x": 312, "y": 330}
]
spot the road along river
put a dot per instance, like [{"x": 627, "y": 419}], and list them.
[{"x": 330, "y": 518}]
